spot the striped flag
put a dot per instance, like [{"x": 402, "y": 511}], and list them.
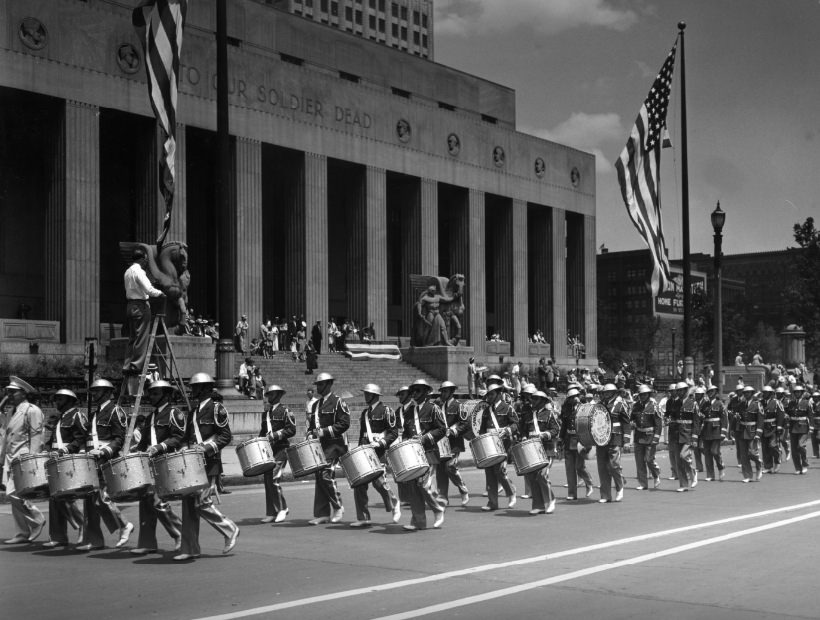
[
  {"x": 159, "y": 25},
  {"x": 638, "y": 170}
]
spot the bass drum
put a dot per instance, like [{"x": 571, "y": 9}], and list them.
[
  {"x": 255, "y": 456},
  {"x": 407, "y": 460},
  {"x": 180, "y": 474},
  {"x": 593, "y": 424},
  {"x": 306, "y": 458},
  {"x": 72, "y": 476},
  {"x": 488, "y": 450}
]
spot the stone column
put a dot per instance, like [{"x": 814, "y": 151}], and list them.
[
  {"x": 539, "y": 253},
  {"x": 376, "y": 258},
  {"x": 315, "y": 276},
  {"x": 150, "y": 207},
  {"x": 249, "y": 283},
  {"x": 575, "y": 276},
  {"x": 520, "y": 296},
  {"x": 179, "y": 215},
  {"x": 428, "y": 212},
  {"x": 72, "y": 226},
  {"x": 474, "y": 276},
  {"x": 590, "y": 289},
  {"x": 559, "y": 283}
]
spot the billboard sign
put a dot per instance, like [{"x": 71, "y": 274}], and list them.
[{"x": 670, "y": 303}]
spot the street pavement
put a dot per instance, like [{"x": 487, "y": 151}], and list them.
[{"x": 723, "y": 550}]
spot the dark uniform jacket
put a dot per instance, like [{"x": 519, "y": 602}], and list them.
[
  {"x": 330, "y": 418},
  {"x": 673, "y": 407},
  {"x": 774, "y": 418},
  {"x": 548, "y": 426},
  {"x": 111, "y": 422},
  {"x": 749, "y": 420},
  {"x": 457, "y": 421},
  {"x": 169, "y": 423},
  {"x": 278, "y": 425},
  {"x": 801, "y": 421},
  {"x": 211, "y": 418},
  {"x": 619, "y": 419},
  {"x": 431, "y": 424},
  {"x": 647, "y": 421},
  {"x": 815, "y": 413},
  {"x": 687, "y": 427},
  {"x": 72, "y": 426},
  {"x": 569, "y": 433},
  {"x": 715, "y": 420},
  {"x": 505, "y": 416},
  {"x": 383, "y": 426}
]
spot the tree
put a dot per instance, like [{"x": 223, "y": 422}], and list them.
[{"x": 802, "y": 295}]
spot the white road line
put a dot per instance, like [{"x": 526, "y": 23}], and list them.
[
  {"x": 487, "y": 596},
  {"x": 489, "y": 567}
]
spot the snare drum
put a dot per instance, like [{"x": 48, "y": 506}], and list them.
[
  {"x": 28, "y": 471},
  {"x": 306, "y": 458},
  {"x": 407, "y": 460},
  {"x": 361, "y": 465},
  {"x": 179, "y": 474},
  {"x": 127, "y": 478},
  {"x": 255, "y": 456},
  {"x": 488, "y": 450},
  {"x": 72, "y": 476},
  {"x": 529, "y": 456},
  {"x": 593, "y": 424}
]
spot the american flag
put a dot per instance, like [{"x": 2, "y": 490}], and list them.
[
  {"x": 638, "y": 170},
  {"x": 159, "y": 25}
]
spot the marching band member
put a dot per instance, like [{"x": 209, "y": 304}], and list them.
[
  {"x": 647, "y": 424},
  {"x": 278, "y": 425},
  {"x": 378, "y": 429},
  {"x": 24, "y": 435},
  {"x": 162, "y": 432},
  {"x": 403, "y": 394},
  {"x": 609, "y": 456},
  {"x": 677, "y": 392},
  {"x": 458, "y": 424},
  {"x": 425, "y": 421},
  {"x": 574, "y": 451},
  {"x": 687, "y": 426},
  {"x": 815, "y": 413},
  {"x": 106, "y": 435},
  {"x": 500, "y": 417},
  {"x": 774, "y": 421},
  {"x": 713, "y": 432},
  {"x": 523, "y": 407},
  {"x": 541, "y": 422},
  {"x": 328, "y": 422},
  {"x": 208, "y": 430},
  {"x": 800, "y": 425},
  {"x": 748, "y": 428},
  {"x": 68, "y": 437}
]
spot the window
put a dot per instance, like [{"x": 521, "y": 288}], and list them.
[
  {"x": 404, "y": 13},
  {"x": 416, "y": 37},
  {"x": 309, "y": 4},
  {"x": 372, "y": 22},
  {"x": 359, "y": 17},
  {"x": 416, "y": 18},
  {"x": 424, "y": 40},
  {"x": 424, "y": 21},
  {"x": 381, "y": 25},
  {"x": 334, "y": 8},
  {"x": 381, "y": 5},
  {"x": 372, "y": 4},
  {"x": 323, "y": 5},
  {"x": 404, "y": 33},
  {"x": 395, "y": 10},
  {"x": 395, "y": 30},
  {"x": 349, "y": 13}
]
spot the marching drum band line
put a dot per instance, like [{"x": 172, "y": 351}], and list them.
[{"x": 84, "y": 459}]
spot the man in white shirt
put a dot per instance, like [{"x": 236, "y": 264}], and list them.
[{"x": 138, "y": 289}]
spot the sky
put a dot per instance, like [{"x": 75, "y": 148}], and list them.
[{"x": 582, "y": 68}]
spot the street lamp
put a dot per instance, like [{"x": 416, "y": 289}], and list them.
[
  {"x": 718, "y": 220},
  {"x": 674, "y": 359}
]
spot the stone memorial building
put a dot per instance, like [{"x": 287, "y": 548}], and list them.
[{"x": 356, "y": 162}]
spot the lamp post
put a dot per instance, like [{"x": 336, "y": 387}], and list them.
[
  {"x": 718, "y": 220},
  {"x": 674, "y": 358}
]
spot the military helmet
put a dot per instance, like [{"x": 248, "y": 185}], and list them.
[
  {"x": 372, "y": 388},
  {"x": 102, "y": 384},
  {"x": 779, "y": 390},
  {"x": 798, "y": 388},
  {"x": 711, "y": 388},
  {"x": 530, "y": 389},
  {"x": 817, "y": 394},
  {"x": 749, "y": 388},
  {"x": 65, "y": 392},
  {"x": 403, "y": 388},
  {"x": 645, "y": 389},
  {"x": 448, "y": 384},
  {"x": 572, "y": 392},
  {"x": 609, "y": 387},
  {"x": 323, "y": 376},
  {"x": 420, "y": 383},
  {"x": 200, "y": 378},
  {"x": 494, "y": 379},
  {"x": 700, "y": 390},
  {"x": 540, "y": 394},
  {"x": 682, "y": 386},
  {"x": 494, "y": 387},
  {"x": 274, "y": 388},
  {"x": 768, "y": 389},
  {"x": 160, "y": 384}
]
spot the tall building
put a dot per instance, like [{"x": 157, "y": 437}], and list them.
[
  {"x": 354, "y": 165},
  {"x": 406, "y": 25}
]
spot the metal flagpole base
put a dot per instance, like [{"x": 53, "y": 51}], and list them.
[{"x": 225, "y": 356}]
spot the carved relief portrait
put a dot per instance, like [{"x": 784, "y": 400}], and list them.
[
  {"x": 540, "y": 167},
  {"x": 33, "y": 33},
  {"x": 453, "y": 144},
  {"x": 499, "y": 157},
  {"x": 128, "y": 58},
  {"x": 403, "y": 130},
  {"x": 575, "y": 177}
]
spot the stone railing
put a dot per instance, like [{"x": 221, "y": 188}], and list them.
[
  {"x": 23, "y": 329},
  {"x": 497, "y": 347}
]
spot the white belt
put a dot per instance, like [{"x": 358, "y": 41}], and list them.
[
  {"x": 711, "y": 420},
  {"x": 647, "y": 429},
  {"x": 748, "y": 423}
]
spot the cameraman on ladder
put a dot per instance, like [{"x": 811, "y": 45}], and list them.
[{"x": 138, "y": 289}]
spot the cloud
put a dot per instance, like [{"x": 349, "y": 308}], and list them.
[
  {"x": 468, "y": 17},
  {"x": 587, "y": 132}
]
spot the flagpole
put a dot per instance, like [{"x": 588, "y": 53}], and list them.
[
  {"x": 224, "y": 219},
  {"x": 688, "y": 361}
]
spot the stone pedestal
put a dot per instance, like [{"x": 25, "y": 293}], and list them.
[
  {"x": 193, "y": 354},
  {"x": 445, "y": 363},
  {"x": 794, "y": 345}
]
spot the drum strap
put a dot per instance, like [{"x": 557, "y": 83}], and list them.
[
  {"x": 535, "y": 422},
  {"x": 495, "y": 421},
  {"x": 94, "y": 440},
  {"x": 58, "y": 434},
  {"x": 318, "y": 408},
  {"x": 270, "y": 426},
  {"x": 416, "y": 420},
  {"x": 367, "y": 424},
  {"x": 154, "y": 429}
]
